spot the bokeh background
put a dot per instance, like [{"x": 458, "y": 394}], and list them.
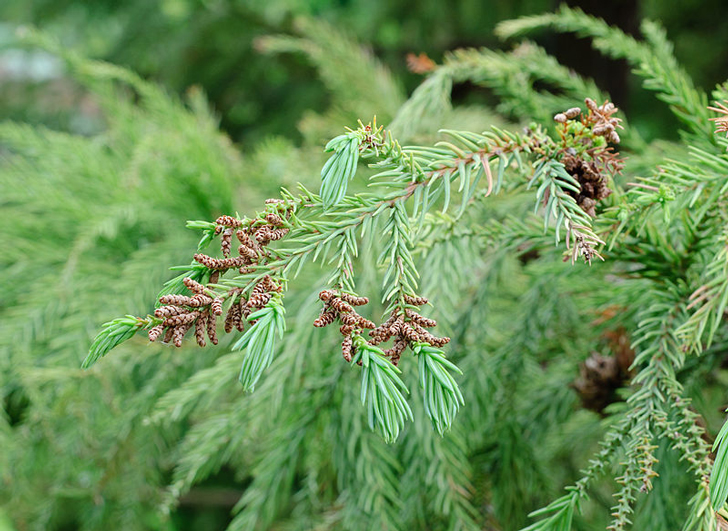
[
  {"x": 212, "y": 45},
  {"x": 95, "y": 185}
]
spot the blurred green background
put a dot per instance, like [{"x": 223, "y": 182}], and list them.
[
  {"x": 212, "y": 44},
  {"x": 92, "y": 219}
]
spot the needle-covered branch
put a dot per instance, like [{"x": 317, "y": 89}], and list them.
[{"x": 259, "y": 254}]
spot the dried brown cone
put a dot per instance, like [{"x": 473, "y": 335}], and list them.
[
  {"x": 230, "y": 318},
  {"x": 179, "y": 334},
  {"x": 268, "y": 284},
  {"x": 354, "y": 319},
  {"x": 245, "y": 239},
  {"x": 395, "y": 352},
  {"x": 250, "y": 255},
  {"x": 326, "y": 295},
  {"x": 572, "y": 113},
  {"x": 436, "y": 341},
  {"x": 175, "y": 300},
  {"x": 168, "y": 335},
  {"x": 194, "y": 286},
  {"x": 599, "y": 379},
  {"x": 266, "y": 234},
  {"x": 340, "y": 306},
  {"x": 274, "y": 219},
  {"x": 346, "y": 330},
  {"x": 326, "y": 318},
  {"x": 258, "y": 300},
  {"x": 259, "y": 288},
  {"x": 211, "y": 326},
  {"x": 364, "y": 322},
  {"x": 354, "y": 300},
  {"x": 199, "y": 300},
  {"x": 410, "y": 333},
  {"x": 347, "y": 349},
  {"x": 593, "y": 184},
  {"x": 226, "y": 242},
  {"x": 228, "y": 221},
  {"x": 277, "y": 234},
  {"x": 382, "y": 333},
  {"x": 200, "y": 325},
  {"x": 415, "y": 301},
  {"x": 169, "y": 311},
  {"x": 218, "y": 264},
  {"x": 600, "y": 376},
  {"x": 397, "y": 327},
  {"x": 216, "y": 306},
  {"x": 350, "y": 319},
  {"x": 261, "y": 235},
  {"x": 420, "y": 320},
  {"x": 155, "y": 332},
  {"x": 182, "y": 319}
]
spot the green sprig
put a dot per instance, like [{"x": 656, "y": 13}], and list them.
[
  {"x": 259, "y": 340},
  {"x": 442, "y": 396},
  {"x": 340, "y": 168},
  {"x": 381, "y": 391},
  {"x": 112, "y": 334}
]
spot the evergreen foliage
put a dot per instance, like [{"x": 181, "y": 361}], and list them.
[{"x": 611, "y": 289}]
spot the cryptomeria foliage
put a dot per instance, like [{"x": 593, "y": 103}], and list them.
[{"x": 557, "y": 269}]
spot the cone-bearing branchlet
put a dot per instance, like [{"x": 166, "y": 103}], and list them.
[{"x": 341, "y": 306}]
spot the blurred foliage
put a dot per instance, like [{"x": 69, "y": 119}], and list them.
[{"x": 211, "y": 43}]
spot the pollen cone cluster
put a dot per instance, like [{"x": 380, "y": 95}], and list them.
[
  {"x": 180, "y": 313},
  {"x": 200, "y": 311},
  {"x": 341, "y": 306},
  {"x": 406, "y": 329},
  {"x": 253, "y": 239}
]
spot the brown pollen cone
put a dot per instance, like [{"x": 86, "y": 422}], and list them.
[
  {"x": 592, "y": 183},
  {"x": 406, "y": 329},
  {"x": 341, "y": 306},
  {"x": 600, "y": 376}
]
